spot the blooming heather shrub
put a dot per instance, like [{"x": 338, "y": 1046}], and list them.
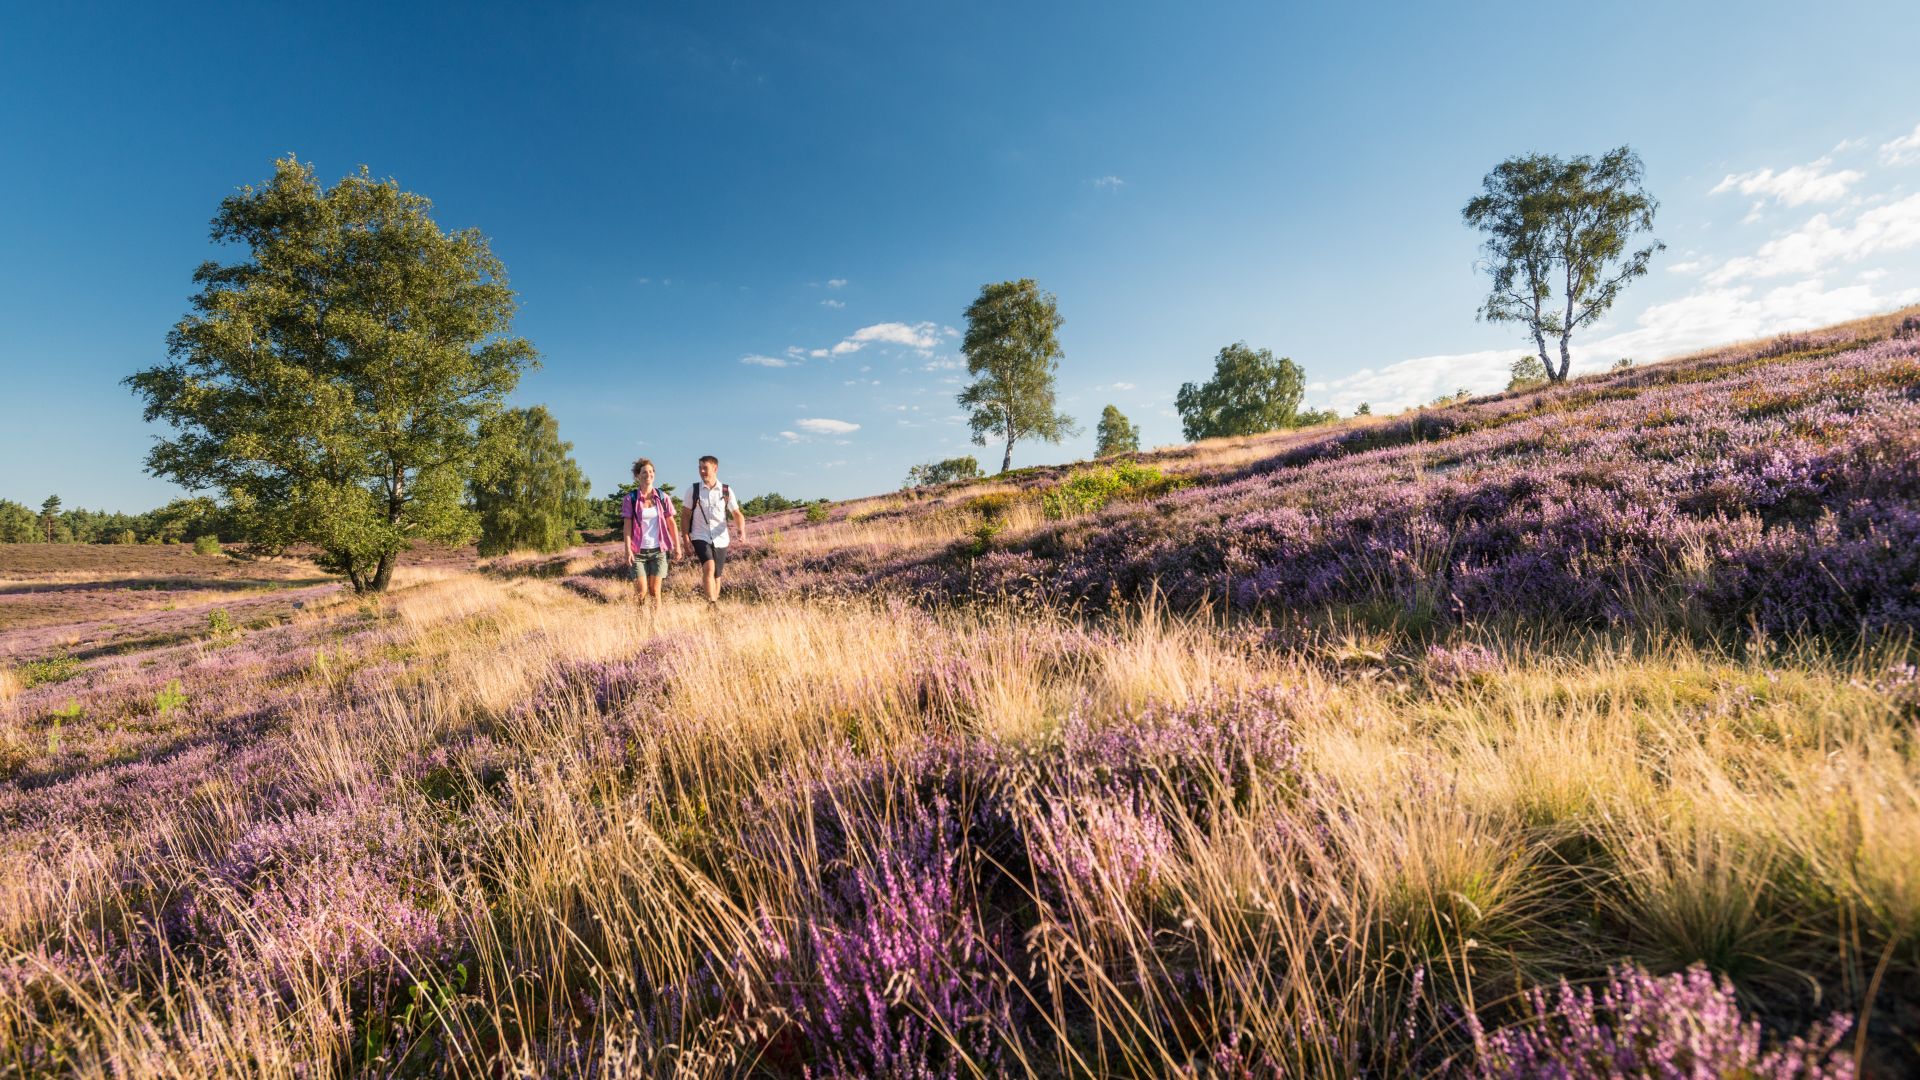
[
  {"x": 1711, "y": 494},
  {"x": 338, "y": 889},
  {"x": 1461, "y": 665},
  {"x": 895, "y": 969},
  {"x": 1638, "y": 1025},
  {"x": 1203, "y": 754}
]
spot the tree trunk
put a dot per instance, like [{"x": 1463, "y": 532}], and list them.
[
  {"x": 383, "y": 574},
  {"x": 1007, "y": 461}
]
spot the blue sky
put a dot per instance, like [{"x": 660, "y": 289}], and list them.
[{"x": 751, "y": 230}]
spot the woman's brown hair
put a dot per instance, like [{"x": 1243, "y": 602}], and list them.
[{"x": 640, "y": 463}]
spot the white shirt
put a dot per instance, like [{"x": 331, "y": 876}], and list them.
[
  {"x": 710, "y": 509},
  {"x": 646, "y": 532}
]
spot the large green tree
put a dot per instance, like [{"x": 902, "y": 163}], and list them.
[
  {"x": 332, "y": 384},
  {"x": 1251, "y": 391},
  {"x": 1557, "y": 237},
  {"x": 535, "y": 492},
  {"x": 1116, "y": 434},
  {"x": 1013, "y": 352}
]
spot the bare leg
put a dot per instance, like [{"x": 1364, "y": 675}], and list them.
[{"x": 711, "y": 580}]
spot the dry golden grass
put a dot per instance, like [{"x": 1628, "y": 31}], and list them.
[{"x": 1732, "y": 810}]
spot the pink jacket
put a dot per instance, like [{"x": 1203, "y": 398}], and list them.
[{"x": 669, "y": 523}]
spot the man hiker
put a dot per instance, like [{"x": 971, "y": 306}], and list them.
[
  {"x": 651, "y": 530},
  {"x": 709, "y": 505}
]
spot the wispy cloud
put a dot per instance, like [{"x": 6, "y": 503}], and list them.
[
  {"x": 1821, "y": 242},
  {"x": 1797, "y": 186},
  {"x": 767, "y": 361},
  {"x": 1109, "y": 183},
  {"x": 832, "y": 303},
  {"x": 923, "y": 336},
  {"x": 821, "y": 426},
  {"x": 1904, "y": 150},
  {"x": 837, "y": 283}
]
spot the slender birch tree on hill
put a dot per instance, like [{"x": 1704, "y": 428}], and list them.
[
  {"x": 332, "y": 385},
  {"x": 1013, "y": 353},
  {"x": 1557, "y": 235}
]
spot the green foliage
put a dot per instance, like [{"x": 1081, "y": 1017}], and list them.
[
  {"x": 1364, "y": 409},
  {"x": 965, "y": 467},
  {"x": 1549, "y": 222},
  {"x": 54, "y": 669},
  {"x": 206, "y": 545},
  {"x": 1623, "y": 364},
  {"x": 50, "y": 518},
  {"x": 1116, "y": 434},
  {"x": 1314, "y": 417},
  {"x": 18, "y": 525},
  {"x": 333, "y": 384},
  {"x": 220, "y": 624},
  {"x": 817, "y": 511},
  {"x": 992, "y": 507},
  {"x": 1250, "y": 392},
  {"x": 535, "y": 492},
  {"x": 1526, "y": 373},
  {"x": 1013, "y": 351},
  {"x": 771, "y": 503},
  {"x": 168, "y": 698},
  {"x": 1090, "y": 489}
]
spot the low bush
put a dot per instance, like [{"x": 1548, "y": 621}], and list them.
[
  {"x": 206, "y": 545},
  {"x": 1087, "y": 491}
]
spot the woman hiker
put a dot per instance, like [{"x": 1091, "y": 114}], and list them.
[
  {"x": 709, "y": 505},
  {"x": 651, "y": 530}
]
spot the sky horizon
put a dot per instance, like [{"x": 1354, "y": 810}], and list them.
[{"x": 752, "y": 231}]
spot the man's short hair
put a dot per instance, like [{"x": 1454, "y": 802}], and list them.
[
  {"x": 705, "y": 458},
  {"x": 640, "y": 463}
]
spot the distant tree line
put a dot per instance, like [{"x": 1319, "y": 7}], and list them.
[{"x": 177, "y": 522}]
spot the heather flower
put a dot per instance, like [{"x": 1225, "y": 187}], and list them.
[
  {"x": 1462, "y": 665},
  {"x": 1686, "y": 1024},
  {"x": 894, "y": 976}
]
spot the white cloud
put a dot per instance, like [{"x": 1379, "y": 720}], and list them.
[
  {"x": 921, "y": 336},
  {"x": 1416, "y": 381},
  {"x": 837, "y": 283},
  {"x": 1716, "y": 316},
  {"x": 1796, "y": 186},
  {"x": 817, "y": 353},
  {"x": 1892, "y": 227},
  {"x": 790, "y": 436},
  {"x": 833, "y": 303},
  {"x": 1109, "y": 183},
  {"x": 818, "y": 426},
  {"x": 767, "y": 361},
  {"x": 1904, "y": 150}
]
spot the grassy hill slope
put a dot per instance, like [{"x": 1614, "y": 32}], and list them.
[{"x": 1531, "y": 736}]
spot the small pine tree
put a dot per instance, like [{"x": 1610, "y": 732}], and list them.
[
  {"x": 1364, "y": 410},
  {"x": 50, "y": 517}
]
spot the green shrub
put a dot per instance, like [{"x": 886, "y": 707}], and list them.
[
  {"x": 54, "y": 669},
  {"x": 206, "y": 545},
  {"x": 220, "y": 624},
  {"x": 168, "y": 698},
  {"x": 1090, "y": 489},
  {"x": 817, "y": 511},
  {"x": 994, "y": 506}
]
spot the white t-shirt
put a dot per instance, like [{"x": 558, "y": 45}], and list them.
[
  {"x": 710, "y": 509},
  {"x": 646, "y": 534}
]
